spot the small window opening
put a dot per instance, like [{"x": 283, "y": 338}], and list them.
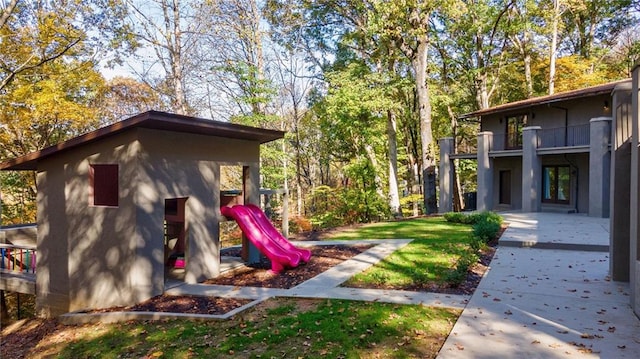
[{"x": 104, "y": 185}]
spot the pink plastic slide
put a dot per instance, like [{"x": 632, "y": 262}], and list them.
[
  {"x": 275, "y": 235},
  {"x": 279, "y": 257}
]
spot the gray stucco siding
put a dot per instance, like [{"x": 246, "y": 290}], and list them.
[
  {"x": 188, "y": 168},
  {"x": 580, "y": 112},
  {"x": 79, "y": 263}
]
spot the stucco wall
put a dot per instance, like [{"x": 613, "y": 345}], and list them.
[
  {"x": 86, "y": 254},
  {"x": 177, "y": 165},
  {"x": 580, "y": 111},
  {"x": 579, "y": 164}
]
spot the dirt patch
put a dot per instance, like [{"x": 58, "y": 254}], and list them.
[
  {"x": 181, "y": 304},
  {"x": 260, "y": 275},
  {"x": 17, "y": 340}
]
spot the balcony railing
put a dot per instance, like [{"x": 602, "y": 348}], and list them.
[
  {"x": 570, "y": 136},
  {"x": 565, "y": 136},
  {"x": 18, "y": 259}
]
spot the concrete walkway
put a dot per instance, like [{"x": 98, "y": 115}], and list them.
[
  {"x": 327, "y": 284},
  {"x": 546, "y": 294},
  {"x": 555, "y": 302}
]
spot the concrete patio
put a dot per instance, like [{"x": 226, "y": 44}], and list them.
[{"x": 555, "y": 302}]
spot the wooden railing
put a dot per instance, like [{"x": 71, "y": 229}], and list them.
[{"x": 18, "y": 259}]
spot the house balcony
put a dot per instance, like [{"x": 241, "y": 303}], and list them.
[{"x": 570, "y": 139}]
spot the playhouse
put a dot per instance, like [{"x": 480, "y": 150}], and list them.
[{"x": 117, "y": 205}]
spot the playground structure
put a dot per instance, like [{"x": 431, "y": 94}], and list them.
[
  {"x": 265, "y": 237},
  {"x": 114, "y": 204}
]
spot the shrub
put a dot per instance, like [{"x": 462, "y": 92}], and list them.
[
  {"x": 326, "y": 220},
  {"x": 464, "y": 218},
  {"x": 299, "y": 224},
  {"x": 487, "y": 226},
  {"x": 454, "y": 217},
  {"x": 341, "y": 206},
  {"x": 407, "y": 204},
  {"x": 458, "y": 275}
]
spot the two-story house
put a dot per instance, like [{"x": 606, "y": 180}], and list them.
[
  {"x": 550, "y": 153},
  {"x": 577, "y": 151}
]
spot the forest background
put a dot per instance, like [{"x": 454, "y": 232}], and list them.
[{"x": 363, "y": 88}]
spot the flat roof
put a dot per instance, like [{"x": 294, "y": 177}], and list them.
[
  {"x": 152, "y": 120},
  {"x": 548, "y": 99}
]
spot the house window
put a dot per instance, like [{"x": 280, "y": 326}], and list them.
[
  {"x": 515, "y": 124},
  {"x": 104, "y": 185},
  {"x": 556, "y": 181}
]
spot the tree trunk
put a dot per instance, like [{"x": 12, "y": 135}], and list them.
[
  {"x": 6, "y": 13},
  {"x": 258, "y": 61},
  {"x": 457, "y": 193},
  {"x": 414, "y": 181},
  {"x": 394, "y": 197},
  {"x": 416, "y": 185},
  {"x": 298, "y": 163},
  {"x": 457, "y": 197},
  {"x": 554, "y": 44},
  {"x": 527, "y": 66},
  {"x": 482, "y": 91},
  {"x": 426, "y": 137},
  {"x": 371, "y": 154},
  {"x": 174, "y": 32}
]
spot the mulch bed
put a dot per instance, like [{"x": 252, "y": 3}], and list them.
[
  {"x": 260, "y": 275},
  {"x": 181, "y": 304}
]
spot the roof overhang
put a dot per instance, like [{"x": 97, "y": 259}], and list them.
[
  {"x": 549, "y": 99},
  {"x": 152, "y": 120}
]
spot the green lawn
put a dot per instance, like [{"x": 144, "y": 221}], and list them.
[
  {"x": 427, "y": 260},
  {"x": 279, "y": 328},
  {"x": 301, "y": 328}
]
